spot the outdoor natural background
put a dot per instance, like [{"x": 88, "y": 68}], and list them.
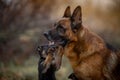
[{"x": 22, "y": 23}]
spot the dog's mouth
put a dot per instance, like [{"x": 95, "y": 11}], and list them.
[
  {"x": 55, "y": 39},
  {"x": 51, "y": 42},
  {"x": 57, "y": 42}
]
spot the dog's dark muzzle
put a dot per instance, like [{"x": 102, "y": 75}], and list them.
[{"x": 53, "y": 36}]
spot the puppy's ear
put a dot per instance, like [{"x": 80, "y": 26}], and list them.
[
  {"x": 67, "y": 12},
  {"x": 77, "y": 15}
]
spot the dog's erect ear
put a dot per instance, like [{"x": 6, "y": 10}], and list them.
[
  {"x": 67, "y": 12},
  {"x": 77, "y": 15}
]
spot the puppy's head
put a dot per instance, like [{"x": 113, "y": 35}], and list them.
[
  {"x": 44, "y": 50},
  {"x": 66, "y": 27}
]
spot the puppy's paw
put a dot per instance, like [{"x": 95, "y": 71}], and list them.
[
  {"x": 51, "y": 50},
  {"x": 46, "y": 66}
]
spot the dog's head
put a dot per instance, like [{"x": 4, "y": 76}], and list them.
[{"x": 66, "y": 28}]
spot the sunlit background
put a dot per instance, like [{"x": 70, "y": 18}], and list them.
[{"x": 22, "y": 23}]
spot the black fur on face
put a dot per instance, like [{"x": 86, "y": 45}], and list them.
[
  {"x": 42, "y": 51},
  {"x": 61, "y": 30},
  {"x": 56, "y": 35}
]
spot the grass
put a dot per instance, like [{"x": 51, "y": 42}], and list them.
[{"x": 29, "y": 70}]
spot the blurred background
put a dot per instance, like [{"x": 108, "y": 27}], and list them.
[{"x": 22, "y": 23}]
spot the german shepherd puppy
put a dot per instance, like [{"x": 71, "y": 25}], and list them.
[
  {"x": 48, "y": 62},
  {"x": 90, "y": 56},
  {"x": 46, "y": 65}
]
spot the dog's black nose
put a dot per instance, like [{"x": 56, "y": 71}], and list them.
[{"x": 45, "y": 33}]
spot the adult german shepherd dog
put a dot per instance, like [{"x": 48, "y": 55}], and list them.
[{"x": 90, "y": 56}]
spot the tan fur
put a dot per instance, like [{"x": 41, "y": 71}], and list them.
[
  {"x": 47, "y": 62},
  {"x": 49, "y": 59}
]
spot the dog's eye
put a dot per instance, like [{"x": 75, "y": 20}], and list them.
[{"x": 61, "y": 29}]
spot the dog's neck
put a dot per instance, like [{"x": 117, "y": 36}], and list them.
[{"x": 72, "y": 37}]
